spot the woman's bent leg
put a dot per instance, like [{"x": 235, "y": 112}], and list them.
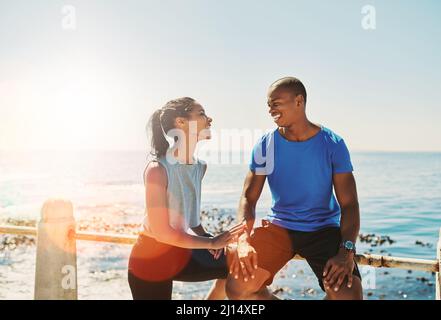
[
  {"x": 148, "y": 290},
  {"x": 203, "y": 267}
]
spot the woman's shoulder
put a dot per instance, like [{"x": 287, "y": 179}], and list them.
[
  {"x": 155, "y": 172},
  {"x": 200, "y": 162},
  {"x": 203, "y": 167}
]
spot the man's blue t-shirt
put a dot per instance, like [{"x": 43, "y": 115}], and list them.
[{"x": 300, "y": 178}]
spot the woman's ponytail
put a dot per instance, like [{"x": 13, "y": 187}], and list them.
[
  {"x": 162, "y": 121},
  {"x": 159, "y": 143}
]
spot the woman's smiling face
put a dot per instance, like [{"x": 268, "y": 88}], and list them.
[{"x": 203, "y": 123}]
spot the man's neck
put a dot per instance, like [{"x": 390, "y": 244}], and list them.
[{"x": 299, "y": 131}]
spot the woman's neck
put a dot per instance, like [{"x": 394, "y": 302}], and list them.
[{"x": 184, "y": 153}]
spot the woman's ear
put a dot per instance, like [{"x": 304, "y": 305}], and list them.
[{"x": 180, "y": 122}]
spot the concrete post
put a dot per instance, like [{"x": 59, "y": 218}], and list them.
[{"x": 56, "y": 263}]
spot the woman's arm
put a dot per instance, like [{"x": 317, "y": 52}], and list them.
[
  {"x": 158, "y": 215},
  {"x": 200, "y": 231}
]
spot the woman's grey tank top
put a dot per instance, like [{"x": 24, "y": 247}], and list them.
[{"x": 183, "y": 193}]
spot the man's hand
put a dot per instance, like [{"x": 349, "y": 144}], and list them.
[
  {"x": 337, "y": 269},
  {"x": 244, "y": 259}
]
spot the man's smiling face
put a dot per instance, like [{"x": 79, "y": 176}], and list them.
[{"x": 283, "y": 107}]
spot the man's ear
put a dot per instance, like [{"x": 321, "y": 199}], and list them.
[
  {"x": 299, "y": 100},
  {"x": 180, "y": 122}
]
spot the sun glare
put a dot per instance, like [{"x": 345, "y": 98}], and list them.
[{"x": 59, "y": 110}]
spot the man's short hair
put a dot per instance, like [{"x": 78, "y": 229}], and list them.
[{"x": 291, "y": 84}]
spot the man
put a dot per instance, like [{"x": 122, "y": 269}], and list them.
[{"x": 303, "y": 162}]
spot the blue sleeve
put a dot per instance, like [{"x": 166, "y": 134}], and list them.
[
  {"x": 258, "y": 155},
  {"x": 341, "y": 160}
]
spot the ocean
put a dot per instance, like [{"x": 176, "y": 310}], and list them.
[{"x": 399, "y": 195}]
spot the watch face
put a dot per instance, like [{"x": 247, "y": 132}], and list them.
[{"x": 349, "y": 245}]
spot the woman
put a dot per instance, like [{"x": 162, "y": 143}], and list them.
[{"x": 165, "y": 251}]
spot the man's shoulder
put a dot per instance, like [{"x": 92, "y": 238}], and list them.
[
  {"x": 266, "y": 137},
  {"x": 330, "y": 136}
]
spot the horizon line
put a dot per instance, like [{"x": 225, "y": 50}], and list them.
[{"x": 209, "y": 150}]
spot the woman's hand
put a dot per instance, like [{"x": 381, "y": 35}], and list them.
[
  {"x": 216, "y": 253},
  {"x": 227, "y": 237}
]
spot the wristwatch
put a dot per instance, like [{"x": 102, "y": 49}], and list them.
[{"x": 348, "y": 245}]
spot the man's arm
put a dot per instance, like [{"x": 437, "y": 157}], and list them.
[
  {"x": 342, "y": 265},
  {"x": 346, "y": 192},
  {"x": 252, "y": 189},
  {"x": 245, "y": 259}
]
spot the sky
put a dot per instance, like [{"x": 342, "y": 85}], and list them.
[{"x": 88, "y": 74}]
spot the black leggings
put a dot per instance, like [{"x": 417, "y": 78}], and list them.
[{"x": 148, "y": 283}]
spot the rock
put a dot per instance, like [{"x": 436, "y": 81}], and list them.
[
  {"x": 12, "y": 242},
  {"x": 375, "y": 240},
  {"x": 278, "y": 290},
  {"x": 422, "y": 279},
  {"x": 422, "y": 244},
  {"x": 310, "y": 291}
]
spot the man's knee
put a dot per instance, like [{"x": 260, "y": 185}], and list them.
[
  {"x": 220, "y": 283},
  {"x": 237, "y": 289},
  {"x": 345, "y": 293}
]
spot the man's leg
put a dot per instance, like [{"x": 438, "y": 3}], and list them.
[
  {"x": 253, "y": 289},
  {"x": 217, "y": 290},
  {"x": 274, "y": 250},
  {"x": 345, "y": 293},
  {"x": 317, "y": 248}
]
